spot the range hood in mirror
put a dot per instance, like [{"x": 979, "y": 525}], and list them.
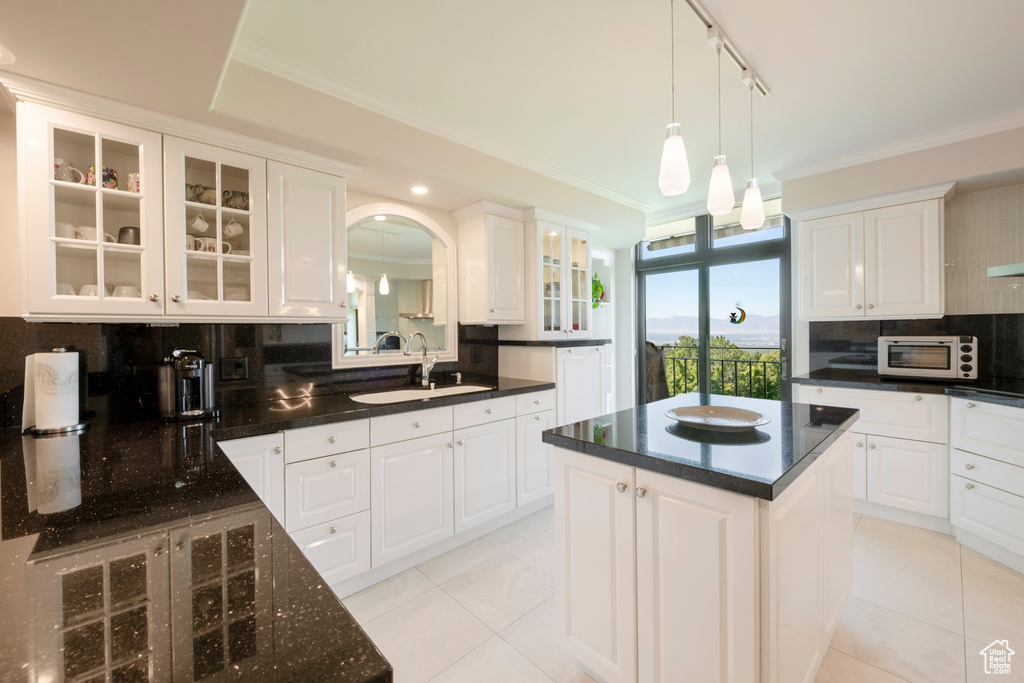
[
  {"x": 427, "y": 308},
  {"x": 1012, "y": 270}
]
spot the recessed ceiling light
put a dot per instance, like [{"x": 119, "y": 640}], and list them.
[
  {"x": 6, "y": 56},
  {"x": 419, "y": 189},
  {"x": 380, "y": 218}
]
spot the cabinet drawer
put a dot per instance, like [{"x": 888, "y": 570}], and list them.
[
  {"x": 482, "y": 412},
  {"x": 306, "y": 443},
  {"x": 338, "y": 549},
  {"x": 994, "y": 473},
  {"x": 994, "y": 515},
  {"x": 326, "y": 488},
  {"x": 405, "y": 426},
  {"x": 536, "y": 402},
  {"x": 922, "y": 417},
  {"x": 988, "y": 429}
]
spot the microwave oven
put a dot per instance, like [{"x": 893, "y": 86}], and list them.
[{"x": 928, "y": 357}]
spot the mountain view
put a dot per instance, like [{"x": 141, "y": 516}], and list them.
[{"x": 756, "y": 331}]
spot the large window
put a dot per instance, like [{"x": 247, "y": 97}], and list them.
[{"x": 713, "y": 305}]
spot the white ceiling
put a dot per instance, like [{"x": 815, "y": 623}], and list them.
[{"x": 494, "y": 100}]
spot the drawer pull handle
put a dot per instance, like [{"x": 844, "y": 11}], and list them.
[
  {"x": 451, "y": 445},
  {"x": 159, "y": 551},
  {"x": 334, "y": 463},
  {"x": 620, "y": 487},
  {"x": 871, "y": 305},
  {"x": 641, "y": 492},
  {"x": 917, "y": 398},
  {"x": 488, "y": 411},
  {"x": 970, "y": 405},
  {"x": 331, "y": 439},
  {"x": 871, "y": 445},
  {"x": 416, "y": 425},
  {"x": 536, "y": 417},
  {"x": 461, "y": 442},
  {"x": 277, "y": 450},
  {"x": 570, "y": 350},
  {"x": 968, "y": 466},
  {"x": 860, "y": 444},
  {"x": 155, "y": 298},
  {"x": 819, "y": 391},
  {"x": 858, "y": 307},
  {"x": 334, "y": 529},
  {"x": 492, "y": 309},
  {"x": 180, "y": 545},
  {"x": 968, "y": 486},
  {"x": 537, "y": 402}
]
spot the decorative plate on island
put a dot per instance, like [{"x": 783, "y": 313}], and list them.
[{"x": 718, "y": 418}]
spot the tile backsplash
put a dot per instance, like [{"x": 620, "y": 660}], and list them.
[{"x": 283, "y": 360}]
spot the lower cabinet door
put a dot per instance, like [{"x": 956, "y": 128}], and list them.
[
  {"x": 326, "y": 488},
  {"x": 260, "y": 461},
  {"x": 534, "y": 466},
  {"x": 340, "y": 548},
  {"x": 859, "y": 445},
  {"x": 910, "y": 475},
  {"x": 579, "y": 379},
  {"x": 995, "y": 515},
  {"x": 595, "y": 590},
  {"x": 485, "y": 473},
  {"x": 411, "y": 496},
  {"x": 696, "y": 620}
]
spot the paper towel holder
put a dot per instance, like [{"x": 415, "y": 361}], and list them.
[{"x": 57, "y": 431}]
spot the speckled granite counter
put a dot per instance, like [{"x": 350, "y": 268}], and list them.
[
  {"x": 170, "y": 566},
  {"x": 760, "y": 462}
]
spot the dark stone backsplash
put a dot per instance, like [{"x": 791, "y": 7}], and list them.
[
  {"x": 284, "y": 361},
  {"x": 854, "y": 344}
]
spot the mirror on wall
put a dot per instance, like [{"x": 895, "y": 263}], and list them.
[{"x": 399, "y": 270}]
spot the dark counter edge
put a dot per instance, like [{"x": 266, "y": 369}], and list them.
[
  {"x": 720, "y": 480},
  {"x": 358, "y": 411},
  {"x": 960, "y": 392},
  {"x": 865, "y": 381},
  {"x": 557, "y": 343}
]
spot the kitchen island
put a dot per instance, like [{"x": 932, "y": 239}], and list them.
[{"x": 692, "y": 555}]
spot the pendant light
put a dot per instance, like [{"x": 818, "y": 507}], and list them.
[
  {"x": 674, "y": 174},
  {"x": 752, "y": 213},
  {"x": 721, "y": 199},
  {"x": 385, "y": 288}
]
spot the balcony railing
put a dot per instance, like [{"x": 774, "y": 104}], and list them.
[{"x": 758, "y": 377}]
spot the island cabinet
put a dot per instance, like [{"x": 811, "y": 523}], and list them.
[{"x": 663, "y": 579}]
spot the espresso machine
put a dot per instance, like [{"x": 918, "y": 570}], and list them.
[{"x": 186, "y": 387}]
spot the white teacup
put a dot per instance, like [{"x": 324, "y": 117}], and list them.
[
  {"x": 233, "y": 229},
  {"x": 86, "y": 232},
  {"x": 129, "y": 291},
  {"x": 66, "y": 231},
  {"x": 89, "y": 290},
  {"x": 210, "y": 244},
  {"x": 199, "y": 224},
  {"x": 107, "y": 237},
  {"x": 64, "y": 289}
]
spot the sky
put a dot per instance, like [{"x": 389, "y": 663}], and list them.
[{"x": 754, "y": 285}]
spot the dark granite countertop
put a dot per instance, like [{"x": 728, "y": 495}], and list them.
[
  {"x": 558, "y": 343},
  {"x": 147, "y": 488},
  {"x": 1001, "y": 390},
  {"x": 759, "y": 463}
]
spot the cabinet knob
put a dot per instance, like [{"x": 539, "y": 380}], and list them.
[
  {"x": 597, "y": 349},
  {"x": 537, "y": 402},
  {"x": 492, "y": 309},
  {"x": 488, "y": 411},
  {"x": 536, "y": 417},
  {"x": 570, "y": 350},
  {"x": 860, "y": 444},
  {"x": 334, "y": 463},
  {"x": 416, "y": 425},
  {"x": 155, "y": 298},
  {"x": 570, "y": 330},
  {"x": 858, "y": 307},
  {"x": 871, "y": 305},
  {"x": 333, "y": 529},
  {"x": 819, "y": 391},
  {"x": 277, "y": 450},
  {"x": 970, "y": 405},
  {"x": 331, "y": 439},
  {"x": 159, "y": 550},
  {"x": 451, "y": 445},
  {"x": 460, "y": 442},
  {"x": 871, "y": 445},
  {"x": 641, "y": 492},
  {"x": 343, "y": 304},
  {"x": 968, "y": 466},
  {"x": 176, "y": 298},
  {"x": 180, "y": 545},
  {"x": 620, "y": 487},
  {"x": 918, "y": 398},
  {"x": 968, "y": 486}
]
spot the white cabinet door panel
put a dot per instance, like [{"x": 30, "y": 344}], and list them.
[
  {"x": 839, "y": 481},
  {"x": 923, "y": 417},
  {"x": 535, "y": 402},
  {"x": 833, "y": 271},
  {"x": 911, "y": 475},
  {"x": 507, "y": 296},
  {"x": 260, "y": 461},
  {"x": 859, "y": 449},
  {"x": 481, "y": 412},
  {"x": 994, "y": 515},
  {"x": 391, "y": 428},
  {"x": 988, "y": 429},
  {"x": 485, "y": 473},
  {"x": 411, "y": 497},
  {"x": 903, "y": 260},
  {"x": 595, "y": 590},
  {"x": 688, "y": 610},
  {"x": 306, "y": 443},
  {"x": 338, "y": 549},
  {"x": 580, "y": 383},
  {"x": 534, "y": 458},
  {"x": 323, "y": 489}
]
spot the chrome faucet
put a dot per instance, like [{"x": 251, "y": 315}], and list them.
[
  {"x": 376, "y": 345},
  {"x": 427, "y": 365}
]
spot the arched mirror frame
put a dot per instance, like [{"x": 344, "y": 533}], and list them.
[{"x": 451, "y": 353}]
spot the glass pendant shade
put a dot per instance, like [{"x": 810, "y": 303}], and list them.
[
  {"x": 350, "y": 281},
  {"x": 721, "y": 199},
  {"x": 752, "y": 213},
  {"x": 385, "y": 288},
  {"x": 674, "y": 177}
]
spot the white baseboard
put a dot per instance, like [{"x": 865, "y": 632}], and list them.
[
  {"x": 903, "y": 516},
  {"x": 345, "y": 588},
  {"x": 990, "y": 550}
]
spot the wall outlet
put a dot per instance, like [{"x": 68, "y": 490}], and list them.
[{"x": 234, "y": 369}]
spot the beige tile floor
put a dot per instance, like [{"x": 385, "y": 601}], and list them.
[{"x": 921, "y": 609}]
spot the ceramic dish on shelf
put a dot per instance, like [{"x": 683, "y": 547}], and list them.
[{"x": 717, "y": 418}]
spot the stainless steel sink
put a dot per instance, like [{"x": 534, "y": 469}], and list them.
[{"x": 403, "y": 395}]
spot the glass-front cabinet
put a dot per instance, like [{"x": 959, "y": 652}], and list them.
[
  {"x": 580, "y": 299},
  {"x": 216, "y": 230},
  {"x": 92, "y": 215}
]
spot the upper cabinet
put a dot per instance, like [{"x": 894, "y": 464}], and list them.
[
  {"x": 558, "y": 279},
  {"x": 491, "y": 268},
  {"x": 215, "y": 231},
  {"x": 875, "y": 264},
  {"x": 92, "y": 224}
]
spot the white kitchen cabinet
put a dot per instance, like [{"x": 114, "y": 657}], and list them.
[
  {"x": 580, "y": 383},
  {"x": 839, "y": 469},
  {"x": 534, "y": 458},
  {"x": 215, "y": 231},
  {"x": 988, "y": 429},
  {"x": 485, "y": 472},
  {"x": 75, "y": 262},
  {"x": 411, "y": 495},
  {"x": 910, "y": 475},
  {"x": 326, "y": 488},
  {"x": 876, "y": 264},
  {"x": 491, "y": 265},
  {"x": 387, "y": 429},
  {"x": 904, "y": 415},
  {"x": 859, "y": 450},
  {"x": 260, "y": 461},
  {"x": 305, "y": 443},
  {"x": 306, "y": 244},
  {"x": 338, "y": 549}
]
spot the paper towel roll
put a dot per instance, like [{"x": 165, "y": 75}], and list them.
[
  {"x": 56, "y": 390},
  {"x": 58, "y": 474}
]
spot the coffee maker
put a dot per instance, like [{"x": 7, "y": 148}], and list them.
[{"x": 186, "y": 387}]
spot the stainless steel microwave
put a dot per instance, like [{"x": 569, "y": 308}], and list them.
[{"x": 931, "y": 357}]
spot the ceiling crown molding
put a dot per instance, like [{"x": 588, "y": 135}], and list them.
[
  {"x": 282, "y": 67},
  {"x": 485, "y": 206},
  {"x": 974, "y": 130},
  {"x": 40, "y": 92},
  {"x": 533, "y": 213},
  {"x": 943, "y": 191}
]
